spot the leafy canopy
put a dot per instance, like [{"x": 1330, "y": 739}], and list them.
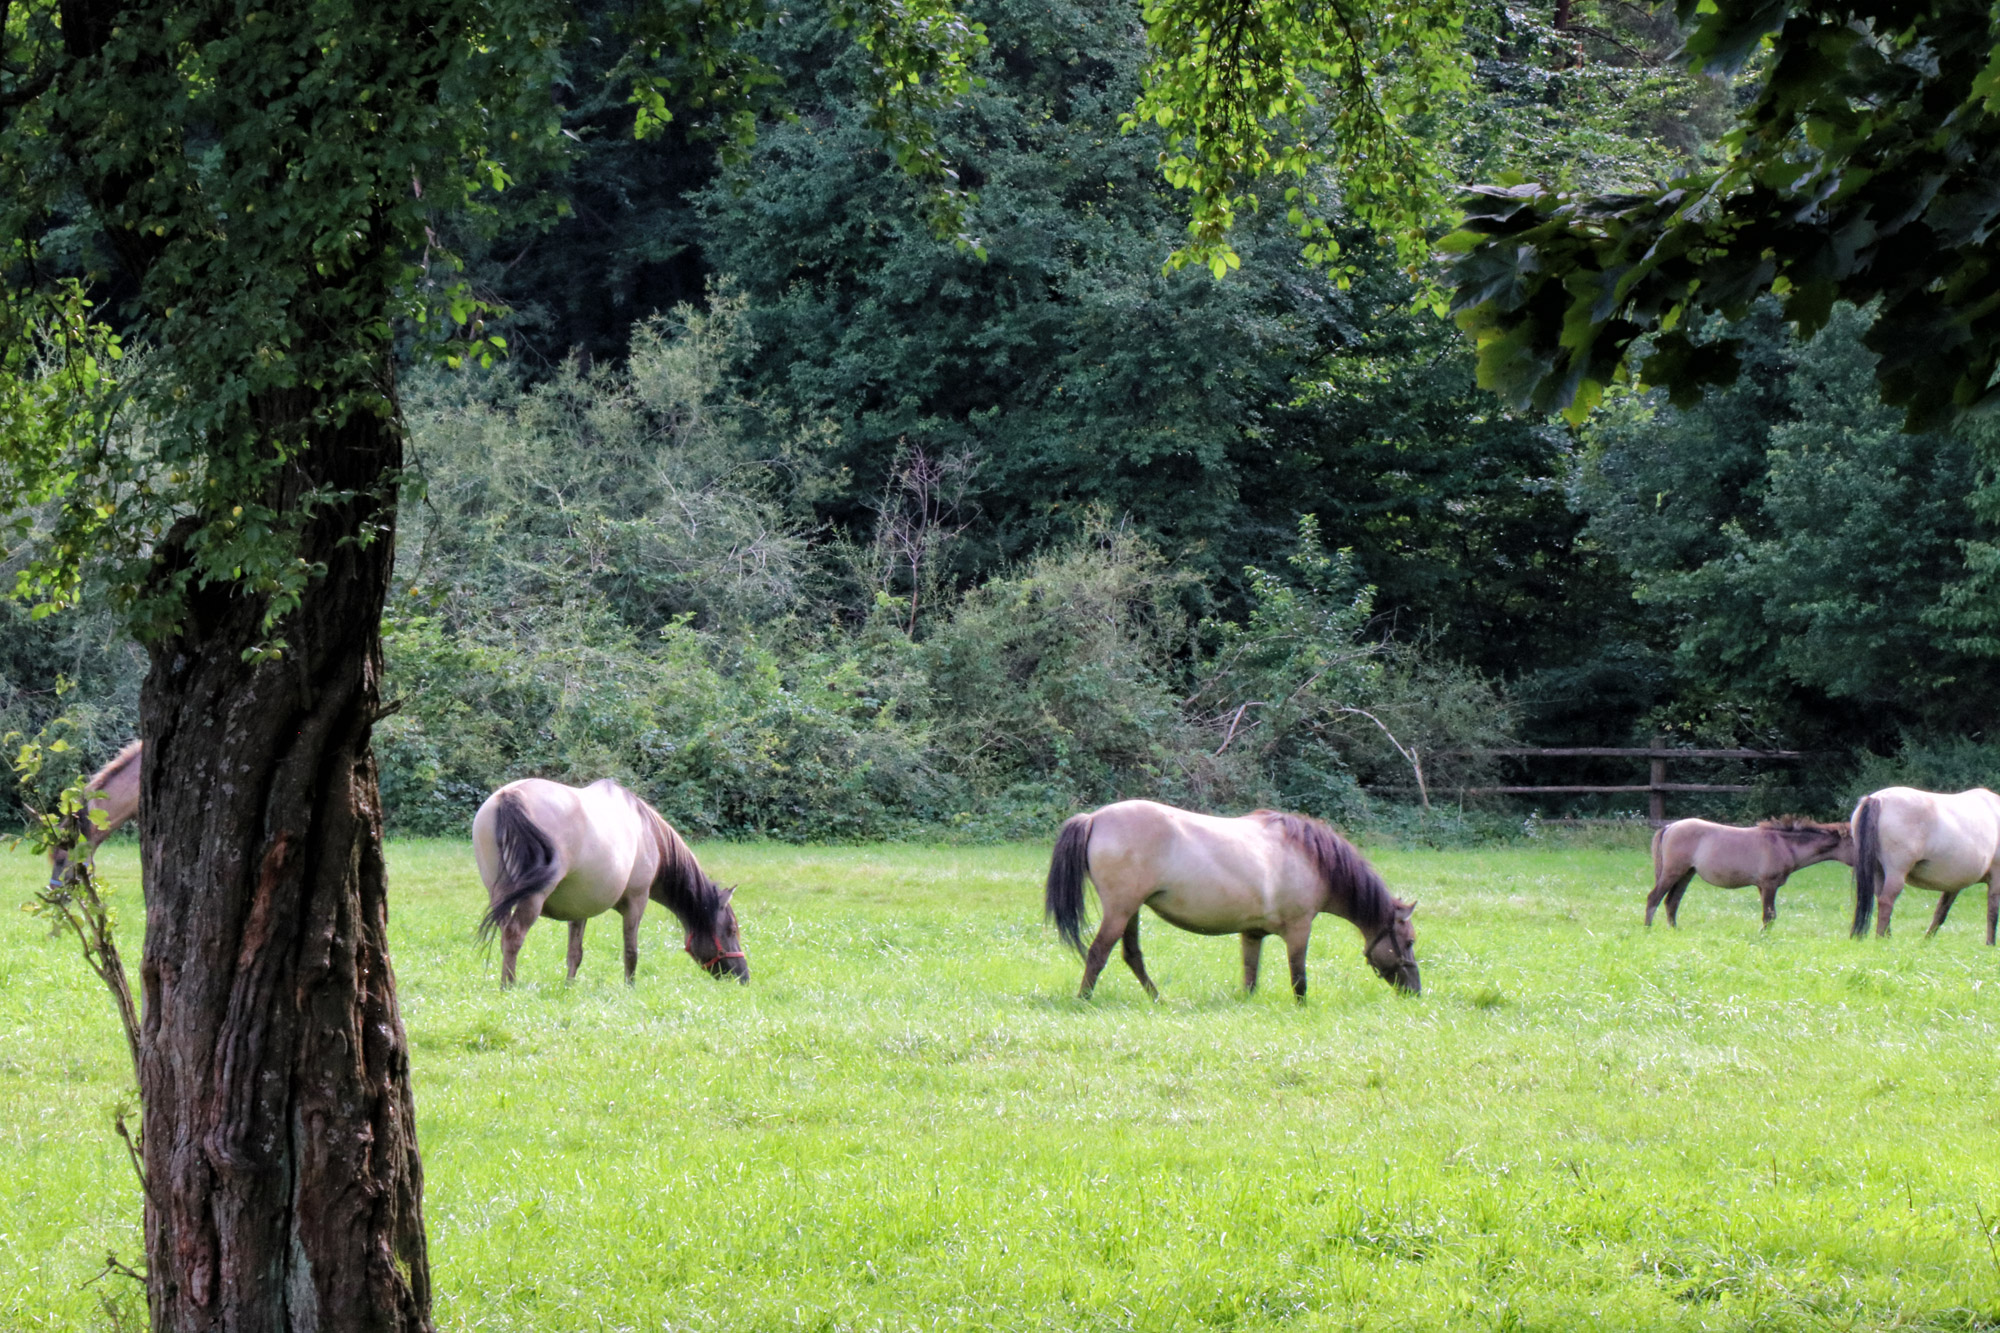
[
  {"x": 1249, "y": 91},
  {"x": 253, "y": 190},
  {"x": 255, "y": 197},
  {"x": 1865, "y": 169}
]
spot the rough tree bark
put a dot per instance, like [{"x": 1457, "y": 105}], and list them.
[{"x": 285, "y": 1189}]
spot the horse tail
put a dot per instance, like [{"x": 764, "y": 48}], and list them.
[
  {"x": 1063, "y": 903},
  {"x": 1659, "y": 839},
  {"x": 1867, "y": 860},
  {"x": 527, "y": 861}
]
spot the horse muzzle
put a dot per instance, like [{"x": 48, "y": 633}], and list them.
[
  {"x": 1407, "y": 979},
  {"x": 722, "y": 963}
]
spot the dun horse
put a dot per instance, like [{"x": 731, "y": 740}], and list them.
[
  {"x": 545, "y": 849},
  {"x": 1735, "y": 858},
  {"x": 116, "y": 803},
  {"x": 1266, "y": 873},
  {"x": 1933, "y": 840}
]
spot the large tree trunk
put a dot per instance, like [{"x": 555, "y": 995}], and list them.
[{"x": 284, "y": 1184}]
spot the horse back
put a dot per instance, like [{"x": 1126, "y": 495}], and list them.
[
  {"x": 1957, "y": 833},
  {"x": 1686, "y": 841},
  {"x": 1206, "y": 873},
  {"x": 1725, "y": 855},
  {"x": 1172, "y": 844}
]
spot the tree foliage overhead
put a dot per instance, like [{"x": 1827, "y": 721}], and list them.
[
  {"x": 1247, "y": 91},
  {"x": 1863, "y": 170},
  {"x": 257, "y": 189}
]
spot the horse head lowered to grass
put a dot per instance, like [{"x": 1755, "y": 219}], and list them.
[
  {"x": 545, "y": 849},
  {"x": 1266, "y": 873},
  {"x": 115, "y": 803}
]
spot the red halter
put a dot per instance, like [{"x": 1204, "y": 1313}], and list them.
[{"x": 720, "y": 952}]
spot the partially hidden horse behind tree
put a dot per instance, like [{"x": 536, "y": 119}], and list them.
[
  {"x": 1266, "y": 873},
  {"x": 545, "y": 849},
  {"x": 1934, "y": 840},
  {"x": 1734, "y": 858},
  {"x": 115, "y": 803}
]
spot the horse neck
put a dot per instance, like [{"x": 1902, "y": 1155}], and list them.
[
  {"x": 1371, "y": 913},
  {"x": 119, "y": 802},
  {"x": 1356, "y": 893},
  {"x": 1808, "y": 846},
  {"x": 678, "y": 882}
]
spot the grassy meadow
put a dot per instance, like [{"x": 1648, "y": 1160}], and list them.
[{"x": 907, "y": 1122}]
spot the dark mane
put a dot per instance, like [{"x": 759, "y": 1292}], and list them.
[
  {"x": 1801, "y": 827},
  {"x": 680, "y": 885},
  {"x": 1368, "y": 902},
  {"x": 128, "y": 755}
]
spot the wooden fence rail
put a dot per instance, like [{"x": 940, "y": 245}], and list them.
[{"x": 1657, "y": 787}]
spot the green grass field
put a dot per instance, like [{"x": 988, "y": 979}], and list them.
[{"x": 906, "y": 1122}]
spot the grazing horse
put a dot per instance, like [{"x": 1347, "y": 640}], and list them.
[
  {"x": 571, "y": 852},
  {"x": 1934, "y": 840},
  {"x": 1734, "y": 858},
  {"x": 1266, "y": 873},
  {"x": 116, "y": 803}
]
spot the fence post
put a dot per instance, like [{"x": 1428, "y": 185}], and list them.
[{"x": 1658, "y": 798}]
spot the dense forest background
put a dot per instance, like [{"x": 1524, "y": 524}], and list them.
[{"x": 804, "y": 522}]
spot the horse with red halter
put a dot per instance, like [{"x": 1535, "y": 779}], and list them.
[
  {"x": 1266, "y": 873},
  {"x": 545, "y": 849},
  {"x": 1935, "y": 840},
  {"x": 1734, "y": 858},
  {"x": 115, "y": 803}
]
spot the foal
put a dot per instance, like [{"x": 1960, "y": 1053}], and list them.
[{"x": 1734, "y": 858}]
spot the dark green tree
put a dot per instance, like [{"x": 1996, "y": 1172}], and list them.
[
  {"x": 1799, "y": 545},
  {"x": 258, "y": 180},
  {"x": 1073, "y": 373}
]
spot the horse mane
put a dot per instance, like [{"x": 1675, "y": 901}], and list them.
[
  {"x": 1369, "y": 899},
  {"x": 1799, "y": 825},
  {"x": 102, "y": 777},
  {"x": 680, "y": 885}
]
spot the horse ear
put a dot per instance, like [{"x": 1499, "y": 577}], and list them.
[{"x": 728, "y": 893}]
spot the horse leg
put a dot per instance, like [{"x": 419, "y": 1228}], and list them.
[
  {"x": 1885, "y": 901},
  {"x": 1992, "y": 909},
  {"x": 523, "y": 916},
  {"x": 1108, "y": 932},
  {"x": 1133, "y": 959},
  {"x": 1664, "y": 884},
  {"x": 1253, "y": 949},
  {"x": 632, "y": 909},
  {"x": 1679, "y": 887},
  {"x": 1945, "y": 900},
  {"x": 1295, "y": 954},
  {"x": 575, "y": 948},
  {"x": 1768, "y": 891}
]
